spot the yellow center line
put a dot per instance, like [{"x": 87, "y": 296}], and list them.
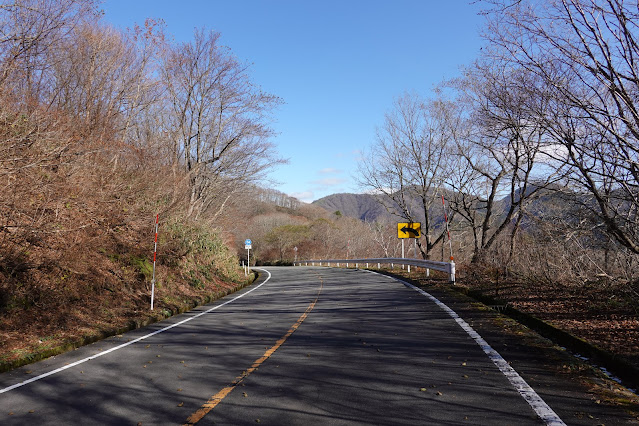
[{"x": 218, "y": 397}]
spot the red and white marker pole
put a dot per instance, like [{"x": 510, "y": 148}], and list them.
[
  {"x": 450, "y": 243},
  {"x": 155, "y": 250}
]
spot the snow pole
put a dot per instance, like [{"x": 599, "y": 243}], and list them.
[
  {"x": 450, "y": 243},
  {"x": 155, "y": 250}
]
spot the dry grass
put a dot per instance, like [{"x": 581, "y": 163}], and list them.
[
  {"x": 604, "y": 313},
  {"x": 77, "y": 219}
]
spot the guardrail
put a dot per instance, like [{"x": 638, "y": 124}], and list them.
[{"x": 447, "y": 267}]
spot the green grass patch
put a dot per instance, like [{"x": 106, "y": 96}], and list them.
[{"x": 143, "y": 266}]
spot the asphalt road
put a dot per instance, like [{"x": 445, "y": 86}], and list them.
[{"x": 301, "y": 346}]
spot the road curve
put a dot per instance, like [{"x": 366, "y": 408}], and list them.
[{"x": 303, "y": 346}]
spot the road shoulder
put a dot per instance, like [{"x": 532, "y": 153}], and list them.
[{"x": 577, "y": 391}]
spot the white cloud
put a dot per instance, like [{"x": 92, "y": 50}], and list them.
[
  {"x": 376, "y": 191},
  {"x": 357, "y": 154},
  {"x": 305, "y": 196},
  {"x": 329, "y": 181},
  {"x": 554, "y": 152},
  {"x": 354, "y": 155}
]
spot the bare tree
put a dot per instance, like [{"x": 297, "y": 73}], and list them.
[
  {"x": 326, "y": 239},
  {"x": 586, "y": 52},
  {"x": 409, "y": 162},
  {"x": 284, "y": 238},
  {"x": 218, "y": 121},
  {"x": 502, "y": 151},
  {"x": 103, "y": 80},
  {"x": 383, "y": 234},
  {"x": 30, "y": 32}
]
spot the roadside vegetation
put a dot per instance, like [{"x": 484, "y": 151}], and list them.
[
  {"x": 534, "y": 150},
  {"x": 102, "y": 130}
]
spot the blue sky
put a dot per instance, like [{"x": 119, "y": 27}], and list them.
[{"x": 337, "y": 65}]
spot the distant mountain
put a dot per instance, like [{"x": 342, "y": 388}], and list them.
[
  {"x": 548, "y": 204},
  {"x": 361, "y": 206},
  {"x": 366, "y": 207}
]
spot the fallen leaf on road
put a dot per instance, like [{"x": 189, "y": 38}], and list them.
[{"x": 180, "y": 404}]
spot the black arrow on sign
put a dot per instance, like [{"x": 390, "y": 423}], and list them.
[{"x": 407, "y": 230}]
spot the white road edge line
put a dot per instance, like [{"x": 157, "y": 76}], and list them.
[
  {"x": 73, "y": 364},
  {"x": 540, "y": 407}
]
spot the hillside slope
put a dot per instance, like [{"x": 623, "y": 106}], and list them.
[{"x": 366, "y": 207}]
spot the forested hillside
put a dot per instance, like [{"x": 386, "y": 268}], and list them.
[
  {"x": 102, "y": 131},
  {"x": 366, "y": 207}
]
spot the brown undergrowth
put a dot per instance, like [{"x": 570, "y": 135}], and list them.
[
  {"x": 604, "y": 313},
  {"x": 89, "y": 293},
  {"x": 77, "y": 226},
  {"x": 76, "y": 250},
  {"x": 521, "y": 345},
  {"x": 63, "y": 292}
]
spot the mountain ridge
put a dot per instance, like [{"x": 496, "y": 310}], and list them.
[{"x": 366, "y": 207}]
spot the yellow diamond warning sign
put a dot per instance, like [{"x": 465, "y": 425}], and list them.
[{"x": 409, "y": 230}]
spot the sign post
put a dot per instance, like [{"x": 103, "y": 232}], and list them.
[{"x": 248, "y": 244}]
